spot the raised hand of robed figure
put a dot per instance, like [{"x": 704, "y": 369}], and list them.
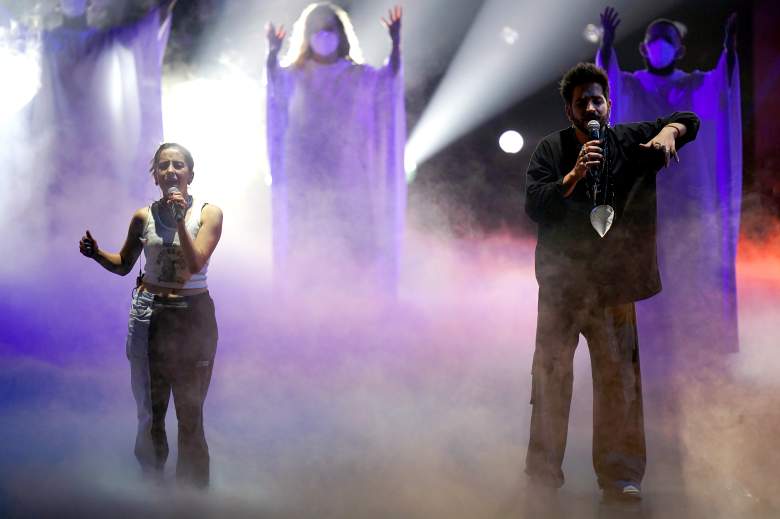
[
  {"x": 275, "y": 37},
  {"x": 730, "y": 43},
  {"x": 393, "y": 23},
  {"x": 609, "y": 23},
  {"x": 730, "y": 40}
]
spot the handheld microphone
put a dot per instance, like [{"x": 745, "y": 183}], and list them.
[
  {"x": 594, "y": 130},
  {"x": 178, "y": 211}
]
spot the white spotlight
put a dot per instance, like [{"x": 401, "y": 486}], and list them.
[
  {"x": 511, "y": 141},
  {"x": 410, "y": 165},
  {"x": 509, "y": 35},
  {"x": 592, "y": 33},
  {"x": 25, "y": 71},
  {"x": 221, "y": 120}
]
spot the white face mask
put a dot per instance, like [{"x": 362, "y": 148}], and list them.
[
  {"x": 324, "y": 43},
  {"x": 660, "y": 53},
  {"x": 73, "y": 8}
]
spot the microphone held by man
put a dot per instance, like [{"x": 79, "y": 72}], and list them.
[{"x": 594, "y": 134}]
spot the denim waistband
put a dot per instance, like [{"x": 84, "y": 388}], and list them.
[{"x": 178, "y": 301}]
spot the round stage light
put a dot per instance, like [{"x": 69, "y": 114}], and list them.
[
  {"x": 592, "y": 33},
  {"x": 511, "y": 141},
  {"x": 509, "y": 35}
]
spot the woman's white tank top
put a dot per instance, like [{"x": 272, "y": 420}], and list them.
[{"x": 165, "y": 263}]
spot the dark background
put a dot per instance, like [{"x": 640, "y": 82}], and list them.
[{"x": 471, "y": 187}]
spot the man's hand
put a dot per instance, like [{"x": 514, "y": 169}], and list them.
[
  {"x": 664, "y": 143},
  {"x": 609, "y": 24},
  {"x": 275, "y": 38},
  {"x": 591, "y": 156}
]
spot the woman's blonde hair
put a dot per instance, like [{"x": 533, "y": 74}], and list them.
[{"x": 299, "y": 49}]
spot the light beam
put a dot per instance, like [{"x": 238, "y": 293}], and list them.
[{"x": 489, "y": 74}]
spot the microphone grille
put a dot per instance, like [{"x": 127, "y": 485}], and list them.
[{"x": 594, "y": 129}]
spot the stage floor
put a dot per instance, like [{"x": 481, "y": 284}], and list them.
[{"x": 414, "y": 409}]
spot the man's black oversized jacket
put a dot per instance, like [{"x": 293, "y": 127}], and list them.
[{"x": 570, "y": 255}]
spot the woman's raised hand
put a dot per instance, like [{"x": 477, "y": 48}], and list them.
[
  {"x": 275, "y": 37},
  {"x": 393, "y": 23}
]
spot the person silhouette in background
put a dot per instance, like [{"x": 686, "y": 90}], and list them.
[
  {"x": 695, "y": 317},
  {"x": 100, "y": 94},
  {"x": 336, "y": 135}
]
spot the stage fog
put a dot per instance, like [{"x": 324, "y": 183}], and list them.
[{"x": 340, "y": 400}]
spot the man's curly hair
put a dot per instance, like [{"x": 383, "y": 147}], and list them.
[{"x": 581, "y": 74}]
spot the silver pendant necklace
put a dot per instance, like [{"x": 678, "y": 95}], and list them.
[{"x": 602, "y": 192}]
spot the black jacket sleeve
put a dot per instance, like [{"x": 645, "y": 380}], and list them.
[
  {"x": 633, "y": 134},
  {"x": 543, "y": 186}
]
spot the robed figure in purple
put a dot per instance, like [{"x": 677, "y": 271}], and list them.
[
  {"x": 99, "y": 108},
  {"x": 336, "y": 134},
  {"x": 695, "y": 315},
  {"x": 94, "y": 123}
]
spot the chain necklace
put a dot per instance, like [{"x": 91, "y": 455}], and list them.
[
  {"x": 601, "y": 191},
  {"x": 601, "y": 183}
]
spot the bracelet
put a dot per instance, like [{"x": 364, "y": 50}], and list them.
[{"x": 677, "y": 135}]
